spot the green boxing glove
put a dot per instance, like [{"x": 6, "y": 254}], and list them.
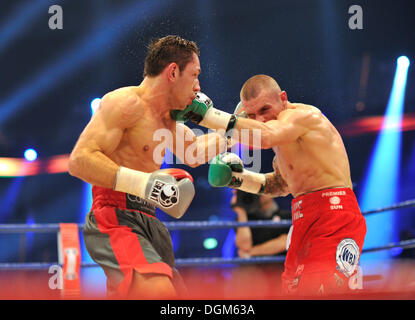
[
  {"x": 202, "y": 112},
  {"x": 194, "y": 112},
  {"x": 240, "y": 111},
  {"x": 227, "y": 170}
]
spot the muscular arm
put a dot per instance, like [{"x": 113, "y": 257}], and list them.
[
  {"x": 270, "y": 247},
  {"x": 195, "y": 150},
  {"x": 89, "y": 159},
  {"x": 275, "y": 185},
  {"x": 291, "y": 125},
  {"x": 243, "y": 239}
]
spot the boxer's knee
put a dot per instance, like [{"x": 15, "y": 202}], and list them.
[{"x": 151, "y": 286}]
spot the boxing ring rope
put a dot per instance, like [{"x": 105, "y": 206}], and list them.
[
  {"x": 406, "y": 244},
  {"x": 399, "y": 205},
  {"x": 197, "y": 225},
  {"x": 185, "y": 225}
]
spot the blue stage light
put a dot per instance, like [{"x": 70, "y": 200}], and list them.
[
  {"x": 381, "y": 185},
  {"x": 403, "y": 62},
  {"x": 109, "y": 29},
  {"x": 20, "y": 20},
  {"x": 10, "y": 200},
  {"x": 95, "y": 104},
  {"x": 84, "y": 209},
  {"x": 30, "y": 155}
]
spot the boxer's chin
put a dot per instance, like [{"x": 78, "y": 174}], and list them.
[{"x": 182, "y": 105}]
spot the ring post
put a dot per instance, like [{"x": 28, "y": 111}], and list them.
[{"x": 69, "y": 253}]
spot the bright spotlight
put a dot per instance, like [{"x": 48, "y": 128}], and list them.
[
  {"x": 30, "y": 155},
  {"x": 95, "y": 104},
  {"x": 386, "y": 154},
  {"x": 403, "y": 61},
  {"x": 210, "y": 243}
]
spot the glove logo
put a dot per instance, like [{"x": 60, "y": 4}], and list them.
[
  {"x": 203, "y": 98},
  {"x": 235, "y": 182},
  {"x": 166, "y": 194},
  {"x": 134, "y": 202},
  {"x": 347, "y": 256}
]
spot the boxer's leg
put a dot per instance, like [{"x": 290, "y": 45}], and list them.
[
  {"x": 151, "y": 286},
  {"x": 121, "y": 243},
  {"x": 153, "y": 282}
]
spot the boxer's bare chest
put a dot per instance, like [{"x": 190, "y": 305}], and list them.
[
  {"x": 286, "y": 161},
  {"x": 143, "y": 146}
]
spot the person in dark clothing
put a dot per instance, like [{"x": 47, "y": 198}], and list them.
[{"x": 252, "y": 241}]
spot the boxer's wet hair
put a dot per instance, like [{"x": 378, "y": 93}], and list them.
[
  {"x": 166, "y": 50},
  {"x": 254, "y": 85}
]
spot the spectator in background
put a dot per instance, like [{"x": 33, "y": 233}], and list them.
[{"x": 258, "y": 241}]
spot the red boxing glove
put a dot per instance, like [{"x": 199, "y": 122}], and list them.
[{"x": 178, "y": 174}]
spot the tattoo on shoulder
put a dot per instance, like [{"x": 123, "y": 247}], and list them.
[{"x": 275, "y": 185}]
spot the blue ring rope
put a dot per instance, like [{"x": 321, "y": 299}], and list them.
[
  {"x": 399, "y": 205},
  {"x": 183, "y": 225},
  {"x": 194, "y": 225},
  {"x": 406, "y": 244}
]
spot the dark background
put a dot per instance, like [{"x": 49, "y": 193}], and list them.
[{"x": 49, "y": 77}]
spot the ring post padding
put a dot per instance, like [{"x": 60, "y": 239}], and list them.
[{"x": 69, "y": 252}]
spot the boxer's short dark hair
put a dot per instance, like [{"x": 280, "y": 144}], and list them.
[
  {"x": 166, "y": 50},
  {"x": 254, "y": 85}
]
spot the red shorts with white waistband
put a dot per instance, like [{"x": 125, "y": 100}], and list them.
[{"x": 326, "y": 242}]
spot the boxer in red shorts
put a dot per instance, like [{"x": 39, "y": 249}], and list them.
[
  {"x": 326, "y": 242},
  {"x": 312, "y": 165}
]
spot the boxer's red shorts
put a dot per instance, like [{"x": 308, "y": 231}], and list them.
[
  {"x": 326, "y": 243},
  {"x": 122, "y": 234}
]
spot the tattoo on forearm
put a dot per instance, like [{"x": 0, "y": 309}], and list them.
[{"x": 275, "y": 185}]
